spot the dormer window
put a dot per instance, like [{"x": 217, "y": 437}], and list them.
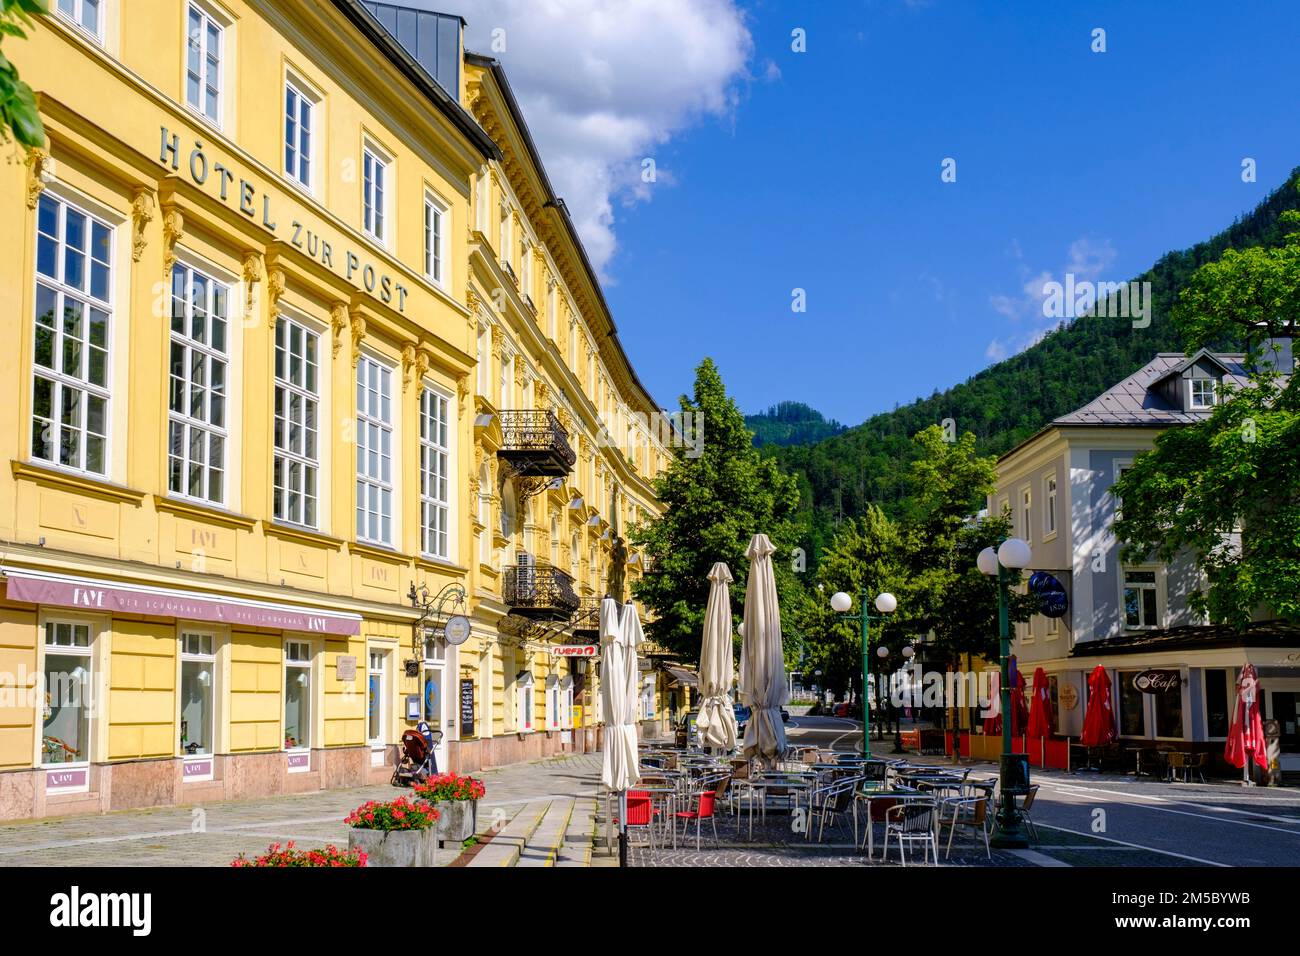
[{"x": 1204, "y": 392}]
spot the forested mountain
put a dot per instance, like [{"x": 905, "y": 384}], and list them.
[
  {"x": 791, "y": 423},
  {"x": 1008, "y": 402}
]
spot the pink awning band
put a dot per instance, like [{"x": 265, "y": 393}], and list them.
[{"x": 92, "y": 596}]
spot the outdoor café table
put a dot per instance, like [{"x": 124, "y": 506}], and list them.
[
  {"x": 867, "y": 797},
  {"x": 775, "y": 781}
]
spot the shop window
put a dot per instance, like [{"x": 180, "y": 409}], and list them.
[
  {"x": 297, "y": 423},
  {"x": 553, "y": 721},
  {"x": 566, "y": 702},
  {"x": 1217, "y": 715},
  {"x": 436, "y": 236},
  {"x": 1141, "y": 608},
  {"x": 435, "y": 481},
  {"x": 198, "y": 686},
  {"x": 374, "y": 184},
  {"x": 648, "y": 699},
  {"x": 1132, "y": 707},
  {"x": 1169, "y": 712},
  {"x": 65, "y": 730},
  {"x": 86, "y": 14},
  {"x": 196, "y": 442},
  {"x": 297, "y": 695},
  {"x": 203, "y": 63},
  {"x": 299, "y": 132},
  {"x": 376, "y": 697},
  {"x": 524, "y": 701},
  {"x": 70, "y": 402},
  {"x": 374, "y": 452}
]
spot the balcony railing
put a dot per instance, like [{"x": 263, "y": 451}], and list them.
[
  {"x": 535, "y": 443},
  {"x": 539, "y": 591}
]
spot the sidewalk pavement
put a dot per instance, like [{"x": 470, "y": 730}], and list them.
[{"x": 214, "y": 834}]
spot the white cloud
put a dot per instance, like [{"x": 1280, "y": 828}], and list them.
[
  {"x": 1086, "y": 259},
  {"x": 604, "y": 84}
]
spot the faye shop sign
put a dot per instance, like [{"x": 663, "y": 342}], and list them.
[
  {"x": 1157, "y": 681},
  {"x": 127, "y": 601},
  {"x": 242, "y": 194}
]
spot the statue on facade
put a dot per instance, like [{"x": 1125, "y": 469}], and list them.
[{"x": 617, "y": 569}]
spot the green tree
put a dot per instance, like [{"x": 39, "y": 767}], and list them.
[
  {"x": 714, "y": 503},
  {"x": 19, "y": 116},
  {"x": 1227, "y": 489},
  {"x": 944, "y": 591},
  {"x": 864, "y": 555}
]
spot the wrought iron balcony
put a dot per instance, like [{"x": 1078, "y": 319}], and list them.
[
  {"x": 539, "y": 591},
  {"x": 535, "y": 444}
]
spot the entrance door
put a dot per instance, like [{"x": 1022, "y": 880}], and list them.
[
  {"x": 434, "y": 708},
  {"x": 1284, "y": 711}
]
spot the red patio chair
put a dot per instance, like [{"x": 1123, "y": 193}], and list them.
[{"x": 703, "y": 811}]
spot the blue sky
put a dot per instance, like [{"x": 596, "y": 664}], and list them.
[{"x": 826, "y": 177}]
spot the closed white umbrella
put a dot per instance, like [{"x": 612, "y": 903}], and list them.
[
  {"x": 762, "y": 675},
  {"x": 717, "y": 719},
  {"x": 618, "y": 674}
]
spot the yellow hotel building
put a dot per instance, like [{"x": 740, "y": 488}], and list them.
[{"x": 299, "y": 335}]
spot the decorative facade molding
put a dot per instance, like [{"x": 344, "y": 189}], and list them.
[
  {"x": 358, "y": 325},
  {"x": 252, "y": 275},
  {"x": 173, "y": 231},
  {"x": 275, "y": 286},
  {"x": 415, "y": 364},
  {"x": 338, "y": 325},
  {"x": 141, "y": 216},
  {"x": 38, "y": 172},
  {"x": 462, "y": 393}
]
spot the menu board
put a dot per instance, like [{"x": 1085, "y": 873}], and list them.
[{"x": 467, "y": 708}]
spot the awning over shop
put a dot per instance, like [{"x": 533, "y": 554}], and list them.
[
  {"x": 682, "y": 676},
  {"x": 1261, "y": 634},
  {"x": 87, "y": 594}
]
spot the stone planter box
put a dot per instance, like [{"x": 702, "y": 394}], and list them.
[
  {"x": 396, "y": 847},
  {"x": 457, "y": 820}
]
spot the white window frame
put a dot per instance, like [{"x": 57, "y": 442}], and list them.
[
  {"x": 1155, "y": 586},
  {"x": 372, "y": 426},
  {"x": 284, "y": 388},
  {"x": 209, "y": 20},
  {"x": 1051, "y": 496},
  {"x": 92, "y": 689},
  {"x": 305, "y": 94},
  {"x": 76, "y": 15},
  {"x": 1027, "y": 513},
  {"x": 377, "y": 192},
  {"x": 525, "y": 703},
  {"x": 184, "y": 653},
  {"x": 566, "y": 702},
  {"x": 60, "y": 380},
  {"x": 437, "y": 261},
  {"x": 299, "y": 665},
  {"x": 383, "y": 670},
  {"x": 211, "y": 356},
  {"x": 1213, "y": 394},
  {"x": 436, "y": 483}
]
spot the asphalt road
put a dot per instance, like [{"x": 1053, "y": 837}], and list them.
[{"x": 1214, "y": 824}]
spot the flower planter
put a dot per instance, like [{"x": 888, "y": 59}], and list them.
[
  {"x": 395, "y": 847},
  {"x": 457, "y": 820}
]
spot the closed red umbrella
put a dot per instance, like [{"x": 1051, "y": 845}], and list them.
[
  {"x": 1099, "y": 721},
  {"x": 1040, "y": 714},
  {"x": 1246, "y": 738},
  {"x": 1040, "y": 711},
  {"x": 1019, "y": 709}
]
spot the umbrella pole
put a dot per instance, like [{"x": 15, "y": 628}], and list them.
[{"x": 622, "y": 828}]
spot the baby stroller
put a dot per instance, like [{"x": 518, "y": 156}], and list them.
[{"x": 419, "y": 760}]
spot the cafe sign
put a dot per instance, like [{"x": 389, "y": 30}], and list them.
[{"x": 1156, "y": 681}]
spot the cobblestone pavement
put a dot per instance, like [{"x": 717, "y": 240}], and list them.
[{"x": 214, "y": 834}]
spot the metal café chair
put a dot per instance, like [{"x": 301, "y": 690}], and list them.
[{"x": 910, "y": 823}]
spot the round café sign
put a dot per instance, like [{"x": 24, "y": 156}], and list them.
[
  {"x": 1068, "y": 696},
  {"x": 1157, "y": 681}
]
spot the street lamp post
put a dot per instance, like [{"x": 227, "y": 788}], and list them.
[
  {"x": 886, "y": 603},
  {"x": 1012, "y": 555},
  {"x": 907, "y": 653}
]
